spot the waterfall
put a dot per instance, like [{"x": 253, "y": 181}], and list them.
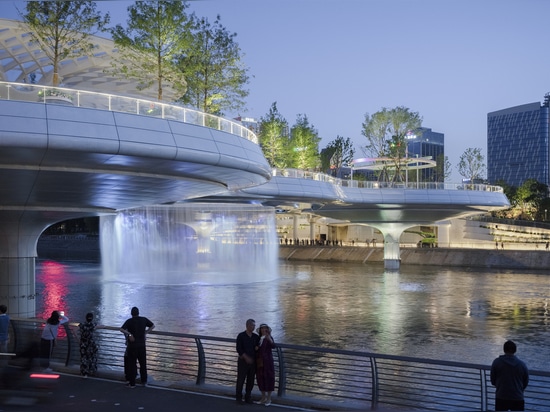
[{"x": 201, "y": 243}]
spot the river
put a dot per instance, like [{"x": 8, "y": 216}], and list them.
[{"x": 429, "y": 312}]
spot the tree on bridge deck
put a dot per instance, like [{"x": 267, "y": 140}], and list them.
[
  {"x": 63, "y": 28},
  {"x": 156, "y": 34},
  {"x": 304, "y": 140},
  {"x": 385, "y": 132},
  {"x": 274, "y": 138}
]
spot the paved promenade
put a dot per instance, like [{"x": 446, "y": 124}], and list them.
[{"x": 72, "y": 393}]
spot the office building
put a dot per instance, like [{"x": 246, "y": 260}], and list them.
[
  {"x": 424, "y": 142},
  {"x": 517, "y": 144}
]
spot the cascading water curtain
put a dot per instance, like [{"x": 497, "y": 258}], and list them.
[{"x": 201, "y": 243}]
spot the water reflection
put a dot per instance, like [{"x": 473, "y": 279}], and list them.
[{"x": 435, "y": 313}]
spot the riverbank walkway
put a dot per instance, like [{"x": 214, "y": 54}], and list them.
[{"x": 72, "y": 393}]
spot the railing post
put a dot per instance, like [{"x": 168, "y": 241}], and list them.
[
  {"x": 201, "y": 369},
  {"x": 69, "y": 342},
  {"x": 374, "y": 379},
  {"x": 483, "y": 393},
  {"x": 281, "y": 390}
]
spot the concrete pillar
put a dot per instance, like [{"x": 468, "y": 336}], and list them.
[
  {"x": 18, "y": 239},
  {"x": 311, "y": 228},
  {"x": 392, "y": 233},
  {"x": 295, "y": 227},
  {"x": 444, "y": 234}
]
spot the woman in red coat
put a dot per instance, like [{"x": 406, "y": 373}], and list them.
[{"x": 265, "y": 368}]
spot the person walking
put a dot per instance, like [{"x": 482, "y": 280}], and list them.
[
  {"x": 135, "y": 329},
  {"x": 49, "y": 334},
  {"x": 510, "y": 376},
  {"x": 4, "y": 334},
  {"x": 88, "y": 346},
  {"x": 265, "y": 367},
  {"x": 247, "y": 344}
]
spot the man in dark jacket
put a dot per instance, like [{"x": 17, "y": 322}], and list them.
[
  {"x": 135, "y": 330},
  {"x": 247, "y": 344},
  {"x": 510, "y": 377}
]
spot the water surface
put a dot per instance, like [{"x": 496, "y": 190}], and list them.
[{"x": 431, "y": 312}]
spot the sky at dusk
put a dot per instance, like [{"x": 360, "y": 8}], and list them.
[{"x": 453, "y": 61}]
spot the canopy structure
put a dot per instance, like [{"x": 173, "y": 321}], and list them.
[
  {"x": 405, "y": 163},
  {"x": 23, "y": 60}
]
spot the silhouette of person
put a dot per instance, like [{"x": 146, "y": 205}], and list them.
[
  {"x": 88, "y": 346},
  {"x": 135, "y": 329},
  {"x": 265, "y": 366},
  {"x": 510, "y": 376},
  {"x": 4, "y": 333},
  {"x": 247, "y": 344},
  {"x": 49, "y": 334}
]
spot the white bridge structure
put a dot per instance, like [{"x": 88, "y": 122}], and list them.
[{"x": 67, "y": 153}]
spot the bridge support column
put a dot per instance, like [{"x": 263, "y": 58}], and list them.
[
  {"x": 392, "y": 233},
  {"x": 17, "y": 264},
  {"x": 295, "y": 227}
]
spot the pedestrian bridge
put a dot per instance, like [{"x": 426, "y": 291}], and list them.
[{"x": 68, "y": 153}]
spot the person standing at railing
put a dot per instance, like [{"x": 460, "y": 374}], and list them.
[
  {"x": 88, "y": 346},
  {"x": 247, "y": 344},
  {"x": 510, "y": 376},
  {"x": 135, "y": 329},
  {"x": 49, "y": 334},
  {"x": 4, "y": 333},
  {"x": 265, "y": 367}
]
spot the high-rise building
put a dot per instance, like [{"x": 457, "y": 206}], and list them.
[
  {"x": 423, "y": 142},
  {"x": 517, "y": 144}
]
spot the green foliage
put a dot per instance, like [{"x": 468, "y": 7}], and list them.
[
  {"x": 304, "y": 140},
  {"x": 385, "y": 132},
  {"x": 527, "y": 202},
  {"x": 274, "y": 139},
  {"x": 63, "y": 28},
  {"x": 443, "y": 169},
  {"x": 213, "y": 69},
  {"x": 472, "y": 164},
  {"x": 157, "y": 33},
  {"x": 336, "y": 154}
]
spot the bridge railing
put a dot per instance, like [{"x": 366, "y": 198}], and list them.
[
  {"x": 322, "y": 177},
  {"x": 104, "y": 101},
  {"x": 305, "y": 375}
]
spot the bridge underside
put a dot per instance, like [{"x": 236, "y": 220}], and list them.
[{"x": 59, "y": 163}]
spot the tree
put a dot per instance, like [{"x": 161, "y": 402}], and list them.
[
  {"x": 375, "y": 129},
  {"x": 157, "y": 33},
  {"x": 63, "y": 28},
  {"x": 304, "y": 141},
  {"x": 471, "y": 164},
  {"x": 530, "y": 197},
  {"x": 274, "y": 139},
  {"x": 337, "y": 153},
  {"x": 443, "y": 169},
  {"x": 213, "y": 69},
  {"x": 386, "y": 131}
]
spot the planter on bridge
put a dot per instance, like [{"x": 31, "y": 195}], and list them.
[{"x": 54, "y": 96}]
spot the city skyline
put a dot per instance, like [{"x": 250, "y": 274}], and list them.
[{"x": 451, "y": 61}]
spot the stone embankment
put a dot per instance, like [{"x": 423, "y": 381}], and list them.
[{"x": 502, "y": 259}]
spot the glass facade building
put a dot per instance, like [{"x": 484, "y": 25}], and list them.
[
  {"x": 517, "y": 144},
  {"x": 423, "y": 142}
]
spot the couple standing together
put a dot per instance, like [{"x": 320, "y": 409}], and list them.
[{"x": 255, "y": 360}]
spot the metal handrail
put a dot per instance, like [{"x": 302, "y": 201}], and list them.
[
  {"x": 321, "y": 177},
  {"x": 125, "y": 104},
  {"x": 306, "y": 374}
]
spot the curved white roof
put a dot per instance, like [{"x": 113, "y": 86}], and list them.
[{"x": 20, "y": 57}]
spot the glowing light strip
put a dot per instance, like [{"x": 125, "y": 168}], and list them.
[{"x": 44, "y": 376}]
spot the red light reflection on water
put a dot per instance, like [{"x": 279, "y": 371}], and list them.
[{"x": 55, "y": 277}]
